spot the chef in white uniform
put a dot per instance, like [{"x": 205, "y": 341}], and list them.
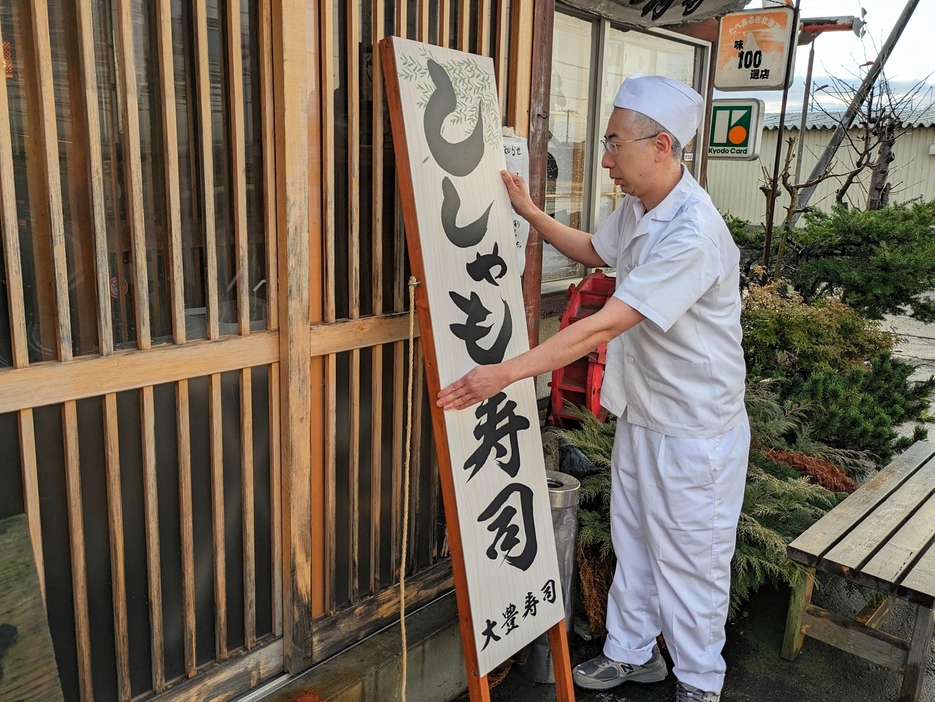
[{"x": 674, "y": 378}]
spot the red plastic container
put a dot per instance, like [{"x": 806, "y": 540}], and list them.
[{"x": 579, "y": 383}]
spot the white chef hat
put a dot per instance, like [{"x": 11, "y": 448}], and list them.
[{"x": 672, "y": 104}]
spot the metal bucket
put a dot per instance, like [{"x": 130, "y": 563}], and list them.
[{"x": 563, "y": 500}]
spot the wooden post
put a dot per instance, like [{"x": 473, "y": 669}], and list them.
[
  {"x": 292, "y": 167},
  {"x": 801, "y": 596},
  {"x": 918, "y": 655}
]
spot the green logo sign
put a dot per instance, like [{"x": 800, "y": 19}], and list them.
[{"x": 736, "y": 129}]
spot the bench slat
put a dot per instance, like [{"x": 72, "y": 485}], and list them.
[
  {"x": 919, "y": 584},
  {"x": 859, "y": 545},
  {"x": 892, "y": 563},
  {"x": 827, "y": 531}
]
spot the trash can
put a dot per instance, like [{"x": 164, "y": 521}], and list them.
[{"x": 563, "y": 499}]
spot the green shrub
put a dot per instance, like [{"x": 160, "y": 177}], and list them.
[{"x": 878, "y": 262}]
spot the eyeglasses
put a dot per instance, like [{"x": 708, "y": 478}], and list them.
[{"x": 611, "y": 146}]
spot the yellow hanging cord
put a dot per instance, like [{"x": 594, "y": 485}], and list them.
[{"x": 405, "y": 545}]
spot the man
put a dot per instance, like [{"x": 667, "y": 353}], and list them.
[{"x": 674, "y": 378}]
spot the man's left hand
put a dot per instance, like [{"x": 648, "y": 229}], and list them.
[{"x": 476, "y": 386}]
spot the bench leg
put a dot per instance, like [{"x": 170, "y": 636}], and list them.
[
  {"x": 801, "y": 596},
  {"x": 918, "y": 655}
]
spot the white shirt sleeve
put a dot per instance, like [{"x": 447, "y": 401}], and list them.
[
  {"x": 606, "y": 239},
  {"x": 678, "y": 271}
]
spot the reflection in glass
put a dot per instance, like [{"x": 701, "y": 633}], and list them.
[{"x": 569, "y": 110}]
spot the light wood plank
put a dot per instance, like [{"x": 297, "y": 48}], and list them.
[
  {"x": 79, "y": 573},
  {"x": 133, "y": 173},
  {"x": 216, "y": 440},
  {"x": 9, "y": 233},
  {"x": 295, "y": 230},
  {"x": 501, "y": 53},
  {"x": 483, "y": 27},
  {"x": 275, "y": 497},
  {"x": 444, "y": 23},
  {"x": 921, "y": 580},
  {"x": 247, "y": 506},
  {"x": 331, "y": 477},
  {"x": 874, "y": 613},
  {"x": 422, "y": 26},
  {"x": 170, "y": 151},
  {"x": 90, "y": 376},
  {"x": 520, "y": 66},
  {"x": 800, "y": 598},
  {"x": 862, "y": 541},
  {"x": 30, "y": 468},
  {"x": 206, "y": 149},
  {"x": 894, "y": 560},
  {"x": 92, "y": 121},
  {"x": 345, "y": 335},
  {"x": 327, "y": 154},
  {"x": 186, "y": 518},
  {"x": 246, "y": 669},
  {"x": 117, "y": 545},
  {"x": 464, "y": 25},
  {"x": 838, "y": 631},
  {"x": 399, "y": 393},
  {"x": 817, "y": 540},
  {"x": 267, "y": 127},
  {"x": 238, "y": 162},
  {"x": 416, "y": 479},
  {"x": 153, "y": 558},
  {"x": 52, "y": 186},
  {"x": 402, "y": 18},
  {"x": 376, "y": 378},
  {"x": 918, "y": 655}
]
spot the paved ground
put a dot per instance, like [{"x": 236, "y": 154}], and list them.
[{"x": 756, "y": 673}]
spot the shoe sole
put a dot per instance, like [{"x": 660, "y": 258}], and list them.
[{"x": 649, "y": 676}]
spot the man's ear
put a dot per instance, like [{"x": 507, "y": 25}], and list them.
[{"x": 663, "y": 146}]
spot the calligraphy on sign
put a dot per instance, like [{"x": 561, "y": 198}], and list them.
[{"x": 465, "y": 240}]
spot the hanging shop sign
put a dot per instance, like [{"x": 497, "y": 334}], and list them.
[
  {"x": 657, "y": 13},
  {"x": 445, "y": 117},
  {"x": 736, "y": 129},
  {"x": 753, "y": 49}
]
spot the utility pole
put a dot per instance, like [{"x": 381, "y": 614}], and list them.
[{"x": 859, "y": 97}]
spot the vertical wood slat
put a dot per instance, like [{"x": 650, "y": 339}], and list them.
[
  {"x": 9, "y": 232},
  {"x": 115, "y": 533},
  {"x": 444, "y": 23},
  {"x": 422, "y": 25},
  {"x": 353, "y": 220},
  {"x": 399, "y": 393},
  {"x": 52, "y": 185},
  {"x": 133, "y": 189},
  {"x": 275, "y": 498},
  {"x": 402, "y": 18},
  {"x": 183, "y": 422},
  {"x": 267, "y": 119},
  {"x": 92, "y": 121},
  {"x": 415, "y": 511},
  {"x": 79, "y": 574},
  {"x": 238, "y": 162},
  {"x": 170, "y": 150},
  {"x": 30, "y": 468},
  {"x": 483, "y": 27},
  {"x": 247, "y": 506},
  {"x": 151, "y": 513},
  {"x": 216, "y": 441},
  {"x": 520, "y": 77},
  {"x": 296, "y": 228},
  {"x": 207, "y": 170},
  {"x": 501, "y": 53},
  {"x": 328, "y": 206},
  {"x": 376, "y": 378},
  {"x": 464, "y": 25}
]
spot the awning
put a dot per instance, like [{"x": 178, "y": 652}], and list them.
[{"x": 657, "y": 13}]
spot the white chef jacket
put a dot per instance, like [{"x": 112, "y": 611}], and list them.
[{"x": 681, "y": 371}]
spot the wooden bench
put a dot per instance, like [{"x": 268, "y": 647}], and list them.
[{"x": 882, "y": 537}]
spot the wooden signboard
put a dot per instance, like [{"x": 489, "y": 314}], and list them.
[{"x": 449, "y": 153}]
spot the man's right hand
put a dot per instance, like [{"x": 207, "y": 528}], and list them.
[{"x": 519, "y": 195}]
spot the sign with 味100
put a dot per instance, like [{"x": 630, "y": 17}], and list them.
[
  {"x": 753, "y": 49},
  {"x": 463, "y": 235}
]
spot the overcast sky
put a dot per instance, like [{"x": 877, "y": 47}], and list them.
[{"x": 840, "y": 54}]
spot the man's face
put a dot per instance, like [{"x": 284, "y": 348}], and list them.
[{"x": 633, "y": 160}]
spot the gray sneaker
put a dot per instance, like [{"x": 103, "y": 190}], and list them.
[
  {"x": 688, "y": 693},
  {"x": 602, "y": 673}
]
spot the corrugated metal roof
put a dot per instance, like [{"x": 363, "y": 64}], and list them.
[{"x": 819, "y": 120}]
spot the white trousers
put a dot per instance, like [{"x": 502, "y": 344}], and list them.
[{"x": 674, "y": 510}]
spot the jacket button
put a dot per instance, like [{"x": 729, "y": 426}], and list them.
[{"x": 630, "y": 359}]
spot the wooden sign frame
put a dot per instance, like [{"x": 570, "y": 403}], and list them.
[{"x": 477, "y": 682}]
